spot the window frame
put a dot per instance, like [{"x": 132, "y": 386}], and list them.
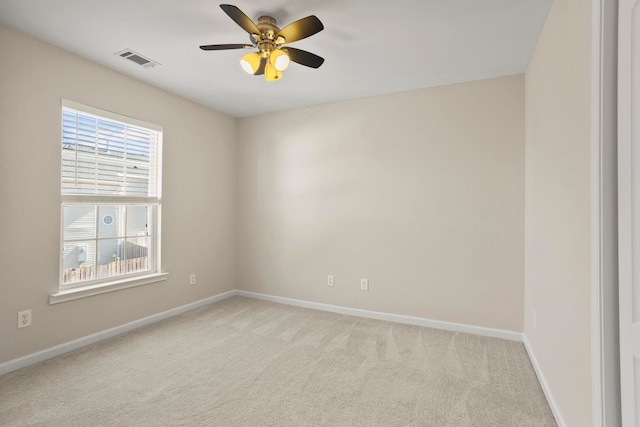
[{"x": 79, "y": 289}]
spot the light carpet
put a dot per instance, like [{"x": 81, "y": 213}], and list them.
[{"x": 245, "y": 362}]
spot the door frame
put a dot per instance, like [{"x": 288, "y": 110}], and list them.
[{"x": 605, "y": 352}]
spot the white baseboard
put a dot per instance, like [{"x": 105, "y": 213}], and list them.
[
  {"x": 48, "y": 353},
  {"x": 30, "y": 359},
  {"x": 543, "y": 383},
  {"x": 411, "y": 320}
]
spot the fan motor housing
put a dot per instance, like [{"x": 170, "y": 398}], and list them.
[
  {"x": 268, "y": 30},
  {"x": 267, "y": 26}
]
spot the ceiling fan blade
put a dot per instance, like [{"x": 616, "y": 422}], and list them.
[
  {"x": 260, "y": 70},
  {"x": 226, "y": 46},
  {"x": 303, "y": 57},
  {"x": 301, "y": 29},
  {"x": 240, "y": 18}
]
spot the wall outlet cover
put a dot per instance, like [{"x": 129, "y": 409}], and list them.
[{"x": 24, "y": 319}]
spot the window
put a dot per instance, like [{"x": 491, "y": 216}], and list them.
[{"x": 110, "y": 197}]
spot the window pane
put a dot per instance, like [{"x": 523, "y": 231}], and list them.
[
  {"x": 111, "y": 139},
  {"x": 137, "y": 180},
  {"x": 68, "y": 166},
  {"x": 101, "y": 156},
  {"x": 79, "y": 222},
  {"x": 107, "y": 155},
  {"x": 78, "y": 260},
  {"x": 110, "y": 257},
  {"x": 108, "y": 176},
  {"x": 137, "y": 254},
  {"x": 137, "y": 220},
  {"x": 110, "y": 221}
]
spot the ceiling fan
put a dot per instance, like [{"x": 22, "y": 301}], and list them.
[{"x": 272, "y": 57}]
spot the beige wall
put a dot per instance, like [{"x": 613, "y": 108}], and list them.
[
  {"x": 557, "y": 207},
  {"x": 198, "y": 195},
  {"x": 420, "y": 192},
  {"x": 423, "y": 193}
]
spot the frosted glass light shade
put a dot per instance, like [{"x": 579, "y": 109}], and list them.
[
  {"x": 280, "y": 59},
  {"x": 271, "y": 74},
  {"x": 251, "y": 62}
]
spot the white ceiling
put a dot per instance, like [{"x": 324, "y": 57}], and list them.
[{"x": 370, "y": 47}]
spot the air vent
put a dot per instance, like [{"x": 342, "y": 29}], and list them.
[{"x": 137, "y": 58}]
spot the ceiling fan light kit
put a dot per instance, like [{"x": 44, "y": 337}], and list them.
[
  {"x": 251, "y": 62},
  {"x": 279, "y": 59},
  {"x": 272, "y": 56},
  {"x": 271, "y": 74}
]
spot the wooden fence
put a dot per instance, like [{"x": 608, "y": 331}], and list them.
[{"x": 70, "y": 275}]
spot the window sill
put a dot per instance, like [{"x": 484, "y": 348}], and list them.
[{"x": 102, "y": 288}]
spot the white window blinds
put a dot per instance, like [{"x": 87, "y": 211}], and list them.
[
  {"x": 110, "y": 197},
  {"x": 108, "y": 157}
]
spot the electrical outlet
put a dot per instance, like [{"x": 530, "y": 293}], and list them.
[
  {"x": 535, "y": 319},
  {"x": 330, "y": 280},
  {"x": 364, "y": 284},
  {"x": 192, "y": 279},
  {"x": 24, "y": 319}
]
